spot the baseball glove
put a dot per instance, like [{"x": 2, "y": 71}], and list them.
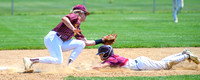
[{"x": 110, "y": 39}]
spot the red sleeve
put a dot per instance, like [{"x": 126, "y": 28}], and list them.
[
  {"x": 112, "y": 61},
  {"x": 72, "y": 17},
  {"x": 116, "y": 60}
]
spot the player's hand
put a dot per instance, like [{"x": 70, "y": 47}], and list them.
[
  {"x": 95, "y": 68},
  {"x": 77, "y": 31}
]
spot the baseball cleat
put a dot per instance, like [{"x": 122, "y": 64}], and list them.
[
  {"x": 70, "y": 61},
  {"x": 29, "y": 71},
  {"x": 28, "y": 64},
  {"x": 192, "y": 57}
]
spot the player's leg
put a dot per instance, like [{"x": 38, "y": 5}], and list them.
[
  {"x": 77, "y": 45},
  {"x": 145, "y": 63},
  {"x": 186, "y": 54},
  {"x": 172, "y": 56},
  {"x": 180, "y": 5},
  {"x": 192, "y": 57},
  {"x": 175, "y": 11},
  {"x": 176, "y": 60},
  {"x": 53, "y": 44}
]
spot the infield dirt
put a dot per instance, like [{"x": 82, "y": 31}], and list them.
[{"x": 13, "y": 59}]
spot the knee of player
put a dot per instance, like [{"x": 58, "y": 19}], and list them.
[
  {"x": 82, "y": 44},
  {"x": 58, "y": 61}
]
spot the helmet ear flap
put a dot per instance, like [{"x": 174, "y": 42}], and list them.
[
  {"x": 105, "y": 55},
  {"x": 108, "y": 53}
]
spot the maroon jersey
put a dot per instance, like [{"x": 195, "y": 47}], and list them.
[
  {"x": 65, "y": 32},
  {"x": 116, "y": 60}
]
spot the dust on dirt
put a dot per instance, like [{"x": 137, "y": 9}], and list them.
[{"x": 12, "y": 60}]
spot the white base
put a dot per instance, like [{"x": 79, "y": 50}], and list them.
[{"x": 3, "y": 68}]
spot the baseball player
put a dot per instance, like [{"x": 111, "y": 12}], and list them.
[
  {"x": 60, "y": 39},
  {"x": 109, "y": 59},
  {"x": 177, "y": 6}
]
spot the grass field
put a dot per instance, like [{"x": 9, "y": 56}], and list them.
[
  {"x": 134, "y": 30},
  {"x": 180, "y": 77},
  {"x": 52, "y": 7},
  {"x": 132, "y": 20}
]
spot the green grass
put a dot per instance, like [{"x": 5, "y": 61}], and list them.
[
  {"x": 179, "y": 77},
  {"x": 132, "y": 20},
  {"x": 134, "y": 30},
  {"x": 53, "y": 7}
]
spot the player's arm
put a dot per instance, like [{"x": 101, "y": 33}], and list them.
[
  {"x": 68, "y": 23},
  {"x": 91, "y": 42},
  {"x": 100, "y": 66}
]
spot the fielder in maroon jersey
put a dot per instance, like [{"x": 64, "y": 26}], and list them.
[{"x": 60, "y": 39}]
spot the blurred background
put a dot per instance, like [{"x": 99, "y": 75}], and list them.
[
  {"x": 51, "y": 7},
  {"x": 138, "y": 23}
]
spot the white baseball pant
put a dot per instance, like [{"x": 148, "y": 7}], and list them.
[
  {"x": 55, "y": 46},
  {"x": 144, "y": 63}
]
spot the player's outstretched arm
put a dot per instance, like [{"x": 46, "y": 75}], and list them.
[
  {"x": 91, "y": 42},
  {"x": 98, "y": 66},
  {"x": 106, "y": 40}
]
